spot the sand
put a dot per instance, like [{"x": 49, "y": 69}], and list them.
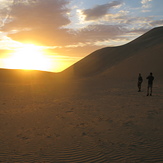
[{"x": 80, "y": 122}]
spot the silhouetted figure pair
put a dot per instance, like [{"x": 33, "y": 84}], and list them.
[{"x": 150, "y": 83}]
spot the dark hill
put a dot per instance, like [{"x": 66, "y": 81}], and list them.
[
  {"x": 24, "y": 76},
  {"x": 103, "y": 59}
]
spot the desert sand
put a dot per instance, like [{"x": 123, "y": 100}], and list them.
[
  {"x": 80, "y": 124},
  {"x": 97, "y": 118}
]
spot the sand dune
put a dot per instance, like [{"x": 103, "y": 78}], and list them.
[
  {"x": 16, "y": 75},
  {"x": 106, "y": 58},
  {"x": 100, "y": 118}
]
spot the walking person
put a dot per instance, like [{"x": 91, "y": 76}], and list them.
[
  {"x": 150, "y": 84},
  {"x": 140, "y": 80}
]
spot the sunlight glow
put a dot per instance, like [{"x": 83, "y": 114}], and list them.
[{"x": 28, "y": 57}]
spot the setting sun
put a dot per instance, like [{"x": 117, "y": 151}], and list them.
[{"x": 28, "y": 57}]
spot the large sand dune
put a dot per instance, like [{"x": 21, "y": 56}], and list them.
[
  {"x": 45, "y": 117},
  {"x": 143, "y": 50}
]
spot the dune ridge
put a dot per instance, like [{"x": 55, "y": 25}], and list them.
[{"x": 103, "y": 59}]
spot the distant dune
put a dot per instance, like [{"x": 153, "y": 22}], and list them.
[
  {"x": 16, "y": 75},
  {"x": 143, "y": 54}
]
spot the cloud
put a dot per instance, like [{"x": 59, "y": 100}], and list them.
[
  {"x": 39, "y": 14},
  {"x": 4, "y": 10},
  {"x": 157, "y": 23},
  {"x": 39, "y": 20},
  {"x": 146, "y": 3},
  {"x": 99, "y": 10},
  {"x": 100, "y": 32}
]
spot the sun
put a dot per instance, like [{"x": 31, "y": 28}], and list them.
[{"x": 28, "y": 57}]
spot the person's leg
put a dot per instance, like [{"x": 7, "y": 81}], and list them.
[
  {"x": 148, "y": 91},
  {"x": 139, "y": 87},
  {"x": 151, "y": 91}
]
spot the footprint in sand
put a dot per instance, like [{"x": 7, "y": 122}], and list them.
[
  {"x": 152, "y": 113},
  {"x": 128, "y": 124},
  {"x": 20, "y": 136}
]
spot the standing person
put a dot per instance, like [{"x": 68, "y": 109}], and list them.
[
  {"x": 140, "y": 80},
  {"x": 150, "y": 84}
]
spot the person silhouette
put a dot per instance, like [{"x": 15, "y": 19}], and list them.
[
  {"x": 140, "y": 80},
  {"x": 150, "y": 84}
]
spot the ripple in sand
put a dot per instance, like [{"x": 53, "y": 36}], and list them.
[{"x": 82, "y": 153}]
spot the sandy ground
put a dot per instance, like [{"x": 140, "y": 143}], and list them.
[{"x": 80, "y": 123}]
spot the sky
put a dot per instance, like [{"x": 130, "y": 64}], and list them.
[{"x": 69, "y": 30}]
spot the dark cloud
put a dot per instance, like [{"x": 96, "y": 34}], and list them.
[
  {"x": 101, "y": 32},
  {"x": 99, "y": 10},
  {"x": 39, "y": 13},
  {"x": 157, "y": 23},
  {"x": 39, "y": 20},
  {"x": 138, "y": 31}
]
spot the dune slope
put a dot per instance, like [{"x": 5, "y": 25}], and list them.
[{"x": 103, "y": 59}]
